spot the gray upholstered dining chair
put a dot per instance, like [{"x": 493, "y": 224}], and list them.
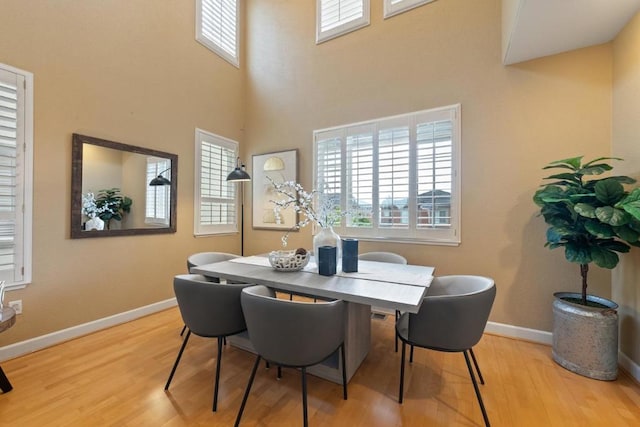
[
  {"x": 292, "y": 334},
  {"x": 452, "y": 318},
  {"x": 202, "y": 258},
  {"x": 389, "y": 257},
  {"x": 209, "y": 310}
]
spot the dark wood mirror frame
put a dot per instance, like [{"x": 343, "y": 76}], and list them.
[{"x": 76, "y": 188}]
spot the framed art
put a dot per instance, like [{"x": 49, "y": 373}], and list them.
[{"x": 280, "y": 167}]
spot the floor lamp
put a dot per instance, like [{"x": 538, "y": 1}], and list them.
[{"x": 240, "y": 175}]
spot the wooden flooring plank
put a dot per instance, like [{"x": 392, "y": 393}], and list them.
[{"x": 116, "y": 377}]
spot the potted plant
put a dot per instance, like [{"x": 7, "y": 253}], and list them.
[
  {"x": 593, "y": 220},
  {"x": 113, "y": 205}
]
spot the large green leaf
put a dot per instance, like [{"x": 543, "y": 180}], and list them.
[
  {"x": 553, "y": 236},
  {"x": 599, "y": 159},
  {"x": 585, "y": 209},
  {"x": 609, "y": 191},
  {"x": 604, "y": 258},
  {"x": 575, "y": 252},
  {"x": 565, "y": 177},
  {"x": 612, "y": 216},
  {"x": 623, "y": 179},
  {"x": 572, "y": 163},
  {"x": 597, "y": 169},
  {"x": 627, "y": 233},
  {"x": 614, "y": 245},
  {"x": 599, "y": 230},
  {"x": 631, "y": 203}
]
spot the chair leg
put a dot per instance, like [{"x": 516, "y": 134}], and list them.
[
  {"x": 404, "y": 346},
  {"x": 5, "y": 385},
  {"x": 475, "y": 362},
  {"x": 477, "y": 389},
  {"x": 246, "y": 392},
  {"x": 344, "y": 373},
  {"x": 305, "y": 420},
  {"x": 184, "y": 328},
  {"x": 411, "y": 355},
  {"x": 397, "y": 317},
  {"x": 215, "y": 387},
  {"x": 279, "y": 372},
  {"x": 175, "y": 365}
]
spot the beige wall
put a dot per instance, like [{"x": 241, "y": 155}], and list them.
[
  {"x": 128, "y": 71},
  {"x": 626, "y": 132},
  {"x": 514, "y": 120},
  {"x": 132, "y": 72}
]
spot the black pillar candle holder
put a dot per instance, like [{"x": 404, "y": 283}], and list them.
[
  {"x": 349, "y": 255},
  {"x": 327, "y": 260}
]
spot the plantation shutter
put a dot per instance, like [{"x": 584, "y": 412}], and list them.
[
  {"x": 397, "y": 177},
  {"x": 216, "y": 202},
  {"x": 158, "y": 196},
  {"x": 360, "y": 176},
  {"x": 393, "y": 173},
  {"x": 11, "y": 167},
  {"x": 337, "y": 17},
  {"x": 217, "y": 27},
  {"x": 394, "y": 7}
]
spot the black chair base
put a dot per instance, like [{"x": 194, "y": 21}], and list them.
[
  {"x": 5, "y": 385},
  {"x": 471, "y": 374},
  {"x": 218, "y": 361},
  {"x": 303, "y": 372}
]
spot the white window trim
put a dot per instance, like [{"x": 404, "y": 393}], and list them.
[
  {"x": 207, "y": 230},
  {"x": 435, "y": 237},
  {"x": 403, "y": 6},
  {"x": 153, "y": 220},
  {"x": 27, "y": 205},
  {"x": 210, "y": 44},
  {"x": 323, "y": 36}
]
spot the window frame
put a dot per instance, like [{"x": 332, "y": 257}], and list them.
[
  {"x": 156, "y": 166},
  {"x": 413, "y": 232},
  {"x": 25, "y": 172},
  {"x": 391, "y": 9},
  {"x": 200, "y": 229},
  {"x": 211, "y": 44},
  {"x": 344, "y": 28}
]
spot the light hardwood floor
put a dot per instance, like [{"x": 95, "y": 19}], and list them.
[{"x": 116, "y": 377}]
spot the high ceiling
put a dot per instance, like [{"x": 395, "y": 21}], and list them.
[{"x": 537, "y": 28}]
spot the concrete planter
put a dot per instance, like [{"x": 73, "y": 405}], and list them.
[{"x": 585, "y": 339}]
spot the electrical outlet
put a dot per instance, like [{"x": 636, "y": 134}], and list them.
[{"x": 16, "y": 305}]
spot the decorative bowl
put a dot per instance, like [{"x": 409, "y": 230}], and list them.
[{"x": 288, "y": 260}]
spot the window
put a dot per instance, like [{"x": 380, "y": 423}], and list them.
[
  {"x": 394, "y": 7},
  {"x": 16, "y": 180},
  {"x": 337, "y": 17},
  {"x": 215, "y": 197},
  {"x": 217, "y": 24},
  {"x": 157, "y": 209},
  {"x": 397, "y": 177}
]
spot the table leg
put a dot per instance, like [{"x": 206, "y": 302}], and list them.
[{"x": 5, "y": 385}]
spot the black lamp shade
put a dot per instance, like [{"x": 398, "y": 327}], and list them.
[
  {"x": 159, "y": 180},
  {"x": 238, "y": 175}
]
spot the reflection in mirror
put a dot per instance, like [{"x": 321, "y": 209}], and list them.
[{"x": 120, "y": 189}]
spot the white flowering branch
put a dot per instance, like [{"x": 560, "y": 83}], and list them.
[{"x": 294, "y": 196}]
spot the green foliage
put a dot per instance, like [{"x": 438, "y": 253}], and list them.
[
  {"x": 593, "y": 219},
  {"x": 113, "y": 205}
]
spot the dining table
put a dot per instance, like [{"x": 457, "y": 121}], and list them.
[{"x": 383, "y": 285}]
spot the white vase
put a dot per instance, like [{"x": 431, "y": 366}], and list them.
[
  {"x": 327, "y": 237},
  {"x": 95, "y": 223}
]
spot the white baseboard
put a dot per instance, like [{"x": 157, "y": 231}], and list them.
[
  {"x": 629, "y": 365},
  {"x": 21, "y": 348},
  {"x": 38, "y": 343},
  {"x": 518, "y": 332}
]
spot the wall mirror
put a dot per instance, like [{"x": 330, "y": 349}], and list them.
[{"x": 119, "y": 189}]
